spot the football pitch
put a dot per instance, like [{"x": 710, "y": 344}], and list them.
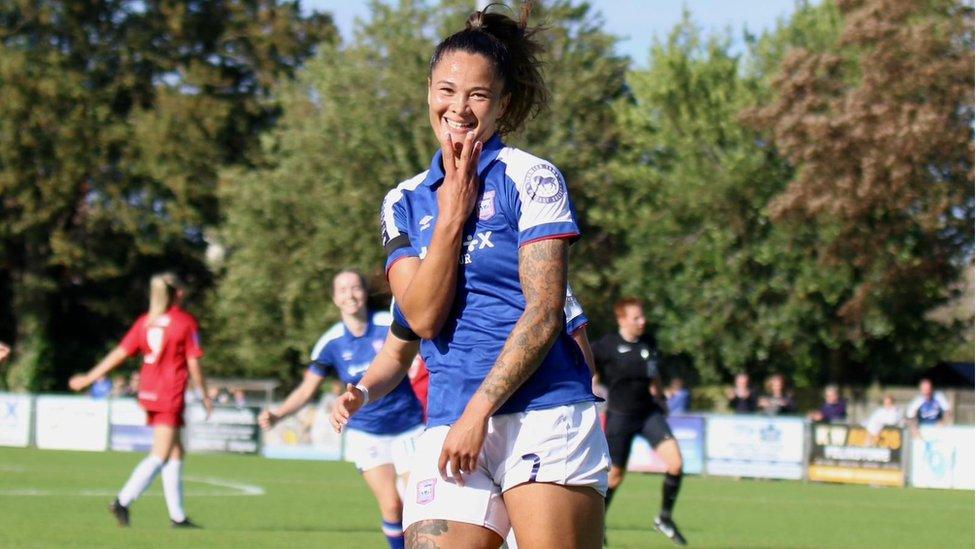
[{"x": 58, "y": 499}]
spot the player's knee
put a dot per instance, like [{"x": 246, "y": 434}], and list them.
[{"x": 675, "y": 466}]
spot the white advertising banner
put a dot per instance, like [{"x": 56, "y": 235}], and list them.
[
  {"x": 307, "y": 434},
  {"x": 15, "y": 419},
  {"x": 944, "y": 457},
  {"x": 129, "y": 431},
  {"x": 754, "y": 446},
  {"x": 71, "y": 423}
]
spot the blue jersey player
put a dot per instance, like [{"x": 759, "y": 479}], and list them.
[
  {"x": 477, "y": 250},
  {"x": 380, "y": 438}
]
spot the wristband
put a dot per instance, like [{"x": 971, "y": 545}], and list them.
[{"x": 365, "y": 392}]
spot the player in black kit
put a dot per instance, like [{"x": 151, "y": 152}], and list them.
[{"x": 627, "y": 364}]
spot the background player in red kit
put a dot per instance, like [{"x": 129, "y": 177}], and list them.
[{"x": 166, "y": 337}]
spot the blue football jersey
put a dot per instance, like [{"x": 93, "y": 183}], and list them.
[
  {"x": 348, "y": 357},
  {"x": 522, "y": 199}
]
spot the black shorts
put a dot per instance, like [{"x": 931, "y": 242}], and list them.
[{"x": 622, "y": 428}]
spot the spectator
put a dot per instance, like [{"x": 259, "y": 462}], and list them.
[
  {"x": 133, "y": 390},
  {"x": 679, "y": 399},
  {"x": 119, "y": 386},
  {"x": 742, "y": 400},
  {"x": 102, "y": 388},
  {"x": 887, "y": 415},
  {"x": 929, "y": 407},
  {"x": 4, "y": 351},
  {"x": 777, "y": 400},
  {"x": 834, "y": 408},
  {"x": 240, "y": 399}
]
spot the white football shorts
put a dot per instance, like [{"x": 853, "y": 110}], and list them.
[
  {"x": 367, "y": 450},
  {"x": 562, "y": 445}
]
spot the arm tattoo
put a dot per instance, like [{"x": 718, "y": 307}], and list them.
[
  {"x": 542, "y": 272},
  {"x": 424, "y": 534}
]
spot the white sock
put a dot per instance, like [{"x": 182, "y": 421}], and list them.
[
  {"x": 142, "y": 477},
  {"x": 173, "y": 489}
]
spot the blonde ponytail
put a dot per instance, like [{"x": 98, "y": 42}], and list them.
[{"x": 162, "y": 293}]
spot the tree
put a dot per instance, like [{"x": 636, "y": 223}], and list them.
[
  {"x": 881, "y": 136},
  {"x": 353, "y": 125},
  {"x": 116, "y": 118}
]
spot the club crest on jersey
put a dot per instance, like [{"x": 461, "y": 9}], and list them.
[
  {"x": 486, "y": 209},
  {"x": 425, "y": 222},
  {"x": 377, "y": 345},
  {"x": 544, "y": 184},
  {"x": 425, "y": 491}
]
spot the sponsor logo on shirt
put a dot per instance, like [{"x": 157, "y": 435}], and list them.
[
  {"x": 544, "y": 185},
  {"x": 623, "y": 349},
  {"x": 486, "y": 209},
  {"x": 346, "y": 355},
  {"x": 425, "y": 222},
  {"x": 425, "y": 491},
  {"x": 474, "y": 242}
]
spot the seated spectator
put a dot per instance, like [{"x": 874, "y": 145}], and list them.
[
  {"x": 834, "y": 408},
  {"x": 929, "y": 407},
  {"x": 102, "y": 388},
  {"x": 742, "y": 400},
  {"x": 240, "y": 399},
  {"x": 777, "y": 401},
  {"x": 679, "y": 398},
  {"x": 133, "y": 389},
  {"x": 119, "y": 386},
  {"x": 888, "y": 415}
]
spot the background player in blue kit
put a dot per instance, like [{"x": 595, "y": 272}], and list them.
[
  {"x": 477, "y": 249},
  {"x": 380, "y": 438}
]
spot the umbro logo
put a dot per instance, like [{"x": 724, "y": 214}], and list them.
[{"x": 425, "y": 222}]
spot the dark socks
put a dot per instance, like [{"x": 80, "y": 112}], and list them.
[{"x": 669, "y": 493}]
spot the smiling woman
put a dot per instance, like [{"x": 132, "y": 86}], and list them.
[{"x": 513, "y": 441}]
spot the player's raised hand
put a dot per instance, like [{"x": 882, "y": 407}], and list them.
[
  {"x": 348, "y": 404},
  {"x": 78, "y": 382},
  {"x": 267, "y": 419},
  {"x": 459, "y": 191},
  {"x": 462, "y": 447}
]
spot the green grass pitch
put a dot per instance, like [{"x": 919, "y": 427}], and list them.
[{"x": 58, "y": 499}]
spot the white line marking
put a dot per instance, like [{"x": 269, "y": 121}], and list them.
[{"x": 240, "y": 489}]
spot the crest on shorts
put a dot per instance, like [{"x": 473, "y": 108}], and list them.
[
  {"x": 425, "y": 491},
  {"x": 486, "y": 209},
  {"x": 544, "y": 184}
]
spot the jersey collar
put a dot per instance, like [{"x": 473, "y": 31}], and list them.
[{"x": 489, "y": 152}]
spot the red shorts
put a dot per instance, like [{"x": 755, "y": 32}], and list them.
[{"x": 170, "y": 419}]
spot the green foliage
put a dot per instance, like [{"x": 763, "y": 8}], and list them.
[{"x": 115, "y": 119}]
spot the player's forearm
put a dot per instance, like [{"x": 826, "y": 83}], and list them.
[
  {"x": 384, "y": 374},
  {"x": 298, "y": 398},
  {"x": 427, "y": 301},
  {"x": 111, "y": 361},
  {"x": 542, "y": 273},
  {"x": 196, "y": 374},
  {"x": 526, "y": 347}
]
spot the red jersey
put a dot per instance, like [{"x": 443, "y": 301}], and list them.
[{"x": 165, "y": 343}]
